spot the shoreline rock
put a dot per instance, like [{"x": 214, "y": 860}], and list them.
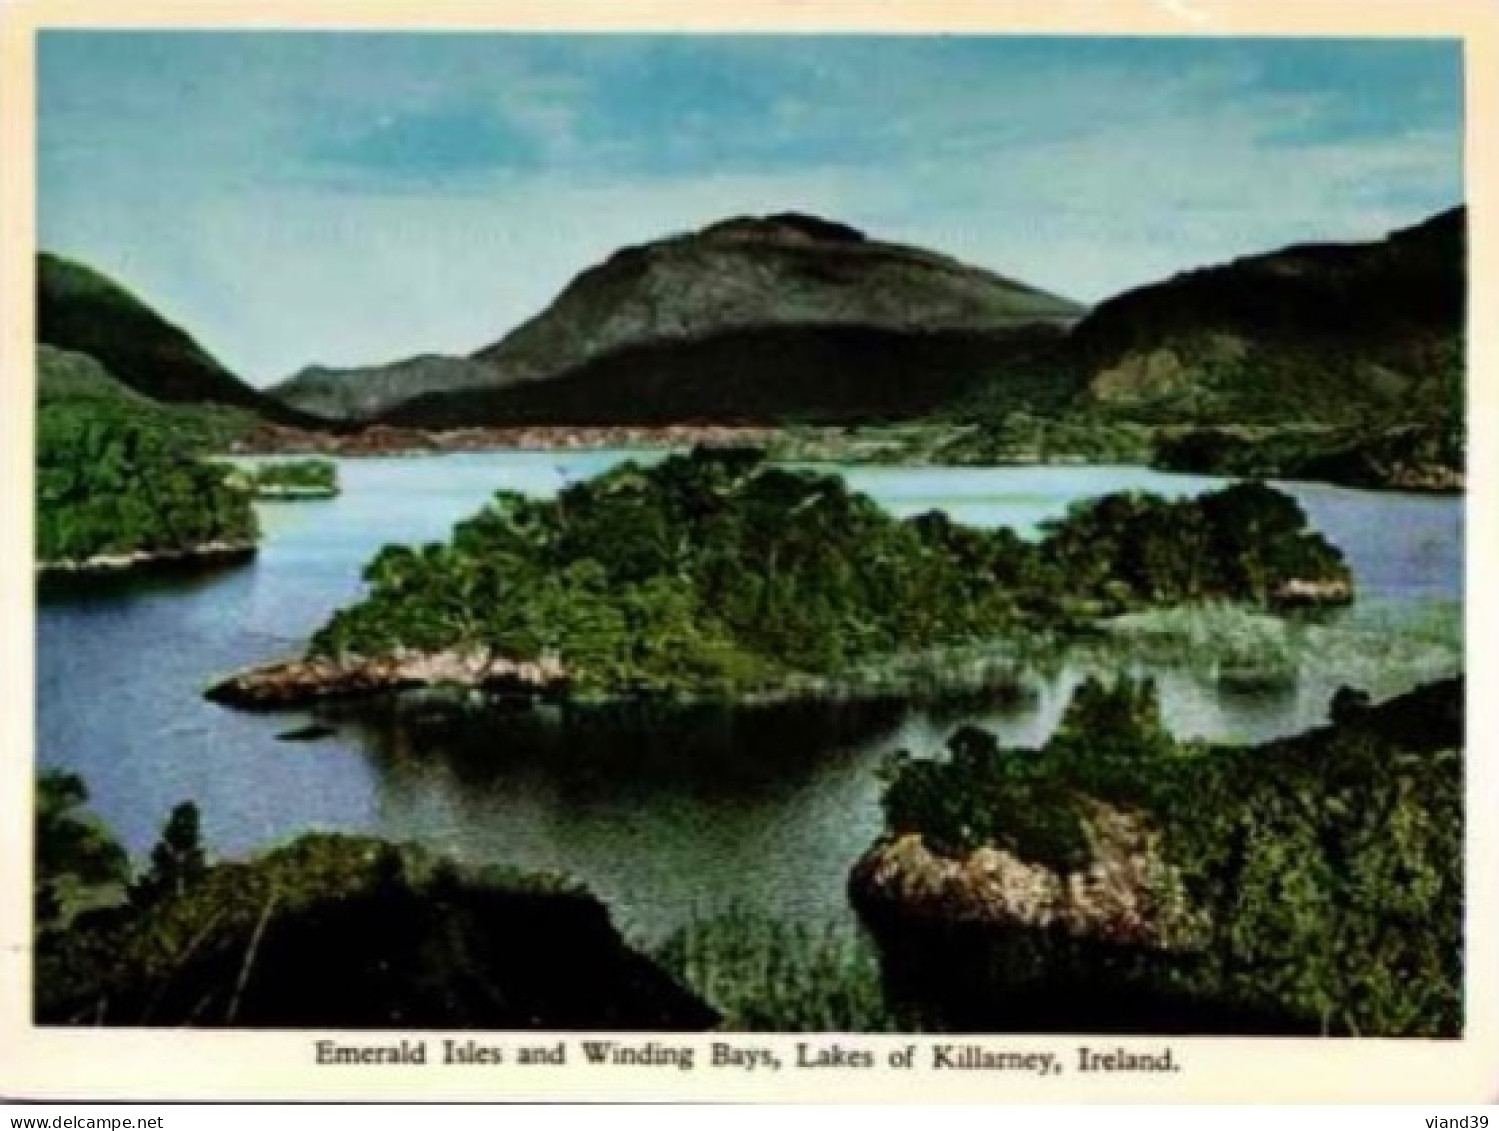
[
  {"x": 214, "y": 553},
  {"x": 1299, "y": 592},
  {"x": 1127, "y": 895},
  {"x": 297, "y": 682},
  {"x": 304, "y": 681}
]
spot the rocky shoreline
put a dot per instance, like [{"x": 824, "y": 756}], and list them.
[
  {"x": 210, "y": 553},
  {"x": 381, "y": 440},
  {"x": 1312, "y": 593},
  {"x": 1125, "y": 895},
  {"x": 293, "y": 683},
  {"x": 836, "y": 447},
  {"x": 287, "y": 684}
]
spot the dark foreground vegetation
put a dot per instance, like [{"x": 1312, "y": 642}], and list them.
[
  {"x": 718, "y": 572},
  {"x": 1119, "y": 879},
  {"x": 117, "y": 485},
  {"x": 327, "y": 932}
]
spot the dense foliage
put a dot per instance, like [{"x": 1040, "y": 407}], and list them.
[
  {"x": 177, "y": 861},
  {"x": 1327, "y": 867},
  {"x": 306, "y": 478},
  {"x": 1025, "y": 801},
  {"x": 75, "y": 851},
  {"x": 77, "y": 382},
  {"x": 716, "y": 570},
  {"x": 1025, "y": 437},
  {"x": 1331, "y": 866},
  {"x": 347, "y": 932},
  {"x": 1243, "y": 542},
  {"x": 767, "y": 975},
  {"x": 111, "y": 482}
]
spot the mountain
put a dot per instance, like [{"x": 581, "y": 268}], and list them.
[
  {"x": 790, "y": 318},
  {"x": 786, "y": 316},
  {"x": 746, "y": 274},
  {"x": 83, "y": 311},
  {"x": 760, "y": 375},
  {"x": 359, "y": 393},
  {"x": 1327, "y": 333}
]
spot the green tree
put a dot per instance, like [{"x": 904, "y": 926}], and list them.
[{"x": 177, "y": 860}]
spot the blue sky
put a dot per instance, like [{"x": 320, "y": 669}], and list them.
[{"x": 349, "y": 199}]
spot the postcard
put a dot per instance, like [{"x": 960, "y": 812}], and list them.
[{"x": 794, "y": 552}]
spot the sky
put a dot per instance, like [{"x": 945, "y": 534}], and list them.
[{"x": 350, "y": 199}]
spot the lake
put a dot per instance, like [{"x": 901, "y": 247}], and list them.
[{"x": 664, "y": 818}]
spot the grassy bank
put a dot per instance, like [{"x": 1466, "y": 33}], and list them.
[{"x": 767, "y": 975}]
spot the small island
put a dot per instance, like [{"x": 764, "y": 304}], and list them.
[
  {"x": 116, "y": 490},
  {"x": 717, "y": 574},
  {"x": 290, "y": 479}
]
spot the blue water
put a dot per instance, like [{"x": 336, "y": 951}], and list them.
[{"x": 662, "y": 821}]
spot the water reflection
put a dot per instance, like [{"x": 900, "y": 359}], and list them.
[
  {"x": 670, "y": 813},
  {"x": 664, "y": 814},
  {"x": 633, "y": 747}
]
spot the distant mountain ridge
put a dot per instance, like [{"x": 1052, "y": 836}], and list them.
[
  {"x": 796, "y": 318},
  {"x": 667, "y": 330},
  {"x": 1332, "y": 332},
  {"x": 747, "y": 273},
  {"x": 360, "y": 393}
]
